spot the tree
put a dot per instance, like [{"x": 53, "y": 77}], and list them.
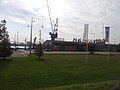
[
  {"x": 5, "y": 50},
  {"x": 39, "y": 50}
]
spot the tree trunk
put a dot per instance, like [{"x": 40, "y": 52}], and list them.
[
  {"x": 39, "y": 57},
  {"x": 4, "y": 58}
]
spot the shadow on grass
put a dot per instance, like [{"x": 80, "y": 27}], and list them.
[
  {"x": 4, "y": 63},
  {"x": 41, "y": 60},
  {"x": 46, "y": 62}
]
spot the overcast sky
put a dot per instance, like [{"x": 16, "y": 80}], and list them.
[{"x": 72, "y": 15}]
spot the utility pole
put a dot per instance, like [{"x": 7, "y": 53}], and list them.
[{"x": 31, "y": 35}]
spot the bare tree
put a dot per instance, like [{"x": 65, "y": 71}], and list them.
[{"x": 39, "y": 50}]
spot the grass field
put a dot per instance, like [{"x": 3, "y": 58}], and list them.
[{"x": 60, "y": 72}]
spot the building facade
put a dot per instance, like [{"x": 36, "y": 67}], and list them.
[{"x": 78, "y": 46}]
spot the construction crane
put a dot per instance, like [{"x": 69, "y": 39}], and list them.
[
  {"x": 54, "y": 27},
  {"x": 54, "y": 33}
]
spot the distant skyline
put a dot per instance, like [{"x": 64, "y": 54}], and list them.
[{"x": 71, "y": 14}]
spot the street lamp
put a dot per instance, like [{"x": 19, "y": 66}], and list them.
[
  {"x": 94, "y": 35},
  {"x": 17, "y": 38},
  {"x": 31, "y": 35},
  {"x": 114, "y": 41}
]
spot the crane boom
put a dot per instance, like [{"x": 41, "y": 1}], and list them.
[
  {"x": 49, "y": 15},
  {"x": 54, "y": 27}
]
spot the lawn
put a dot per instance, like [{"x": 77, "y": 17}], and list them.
[{"x": 60, "y": 72}]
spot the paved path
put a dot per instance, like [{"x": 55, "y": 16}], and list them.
[
  {"x": 18, "y": 53},
  {"x": 62, "y": 52},
  {"x": 24, "y": 53}
]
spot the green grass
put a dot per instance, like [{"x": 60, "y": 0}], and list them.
[
  {"x": 105, "y": 85},
  {"x": 60, "y": 72}
]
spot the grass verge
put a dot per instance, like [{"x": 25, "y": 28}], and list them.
[{"x": 58, "y": 70}]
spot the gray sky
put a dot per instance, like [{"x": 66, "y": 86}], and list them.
[{"x": 72, "y": 15}]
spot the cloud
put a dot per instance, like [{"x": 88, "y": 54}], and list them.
[
  {"x": 90, "y": 11},
  {"x": 17, "y": 9},
  {"x": 72, "y": 14}
]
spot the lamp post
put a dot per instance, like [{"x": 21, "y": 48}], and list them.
[
  {"x": 17, "y": 38},
  {"x": 15, "y": 41},
  {"x": 114, "y": 41},
  {"x": 94, "y": 35},
  {"x": 31, "y": 35},
  {"x": 103, "y": 29}
]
